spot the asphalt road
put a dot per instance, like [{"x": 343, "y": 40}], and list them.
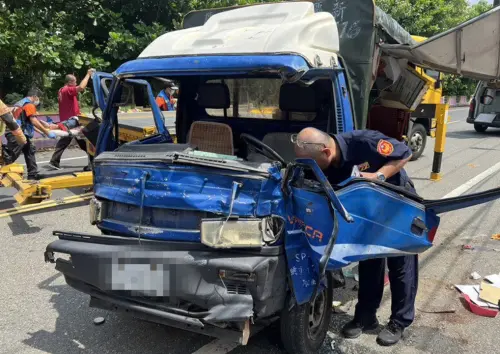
[{"x": 40, "y": 313}]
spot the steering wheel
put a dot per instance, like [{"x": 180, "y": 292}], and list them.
[{"x": 262, "y": 148}]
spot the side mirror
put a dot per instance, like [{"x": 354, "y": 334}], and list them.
[{"x": 488, "y": 96}]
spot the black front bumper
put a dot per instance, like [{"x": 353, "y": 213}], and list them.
[{"x": 198, "y": 288}]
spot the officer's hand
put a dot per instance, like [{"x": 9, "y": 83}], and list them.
[
  {"x": 52, "y": 135},
  {"x": 369, "y": 175},
  {"x": 90, "y": 71}
]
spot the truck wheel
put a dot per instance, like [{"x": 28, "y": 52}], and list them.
[
  {"x": 480, "y": 128},
  {"x": 304, "y": 327},
  {"x": 418, "y": 138}
]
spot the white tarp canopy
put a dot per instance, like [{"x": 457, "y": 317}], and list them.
[{"x": 471, "y": 49}]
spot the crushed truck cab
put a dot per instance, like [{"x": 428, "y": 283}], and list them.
[{"x": 225, "y": 230}]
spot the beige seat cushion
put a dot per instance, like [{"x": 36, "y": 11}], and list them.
[{"x": 212, "y": 137}]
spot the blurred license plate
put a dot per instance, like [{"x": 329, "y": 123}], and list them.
[{"x": 148, "y": 279}]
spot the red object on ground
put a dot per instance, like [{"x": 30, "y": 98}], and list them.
[
  {"x": 478, "y": 310},
  {"x": 386, "y": 280}
]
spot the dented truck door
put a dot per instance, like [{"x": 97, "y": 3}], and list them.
[
  {"x": 329, "y": 229},
  {"x": 101, "y": 83}
]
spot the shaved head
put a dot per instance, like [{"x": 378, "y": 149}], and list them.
[
  {"x": 70, "y": 80},
  {"x": 316, "y": 144}
]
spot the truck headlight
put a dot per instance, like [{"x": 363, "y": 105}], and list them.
[{"x": 232, "y": 233}]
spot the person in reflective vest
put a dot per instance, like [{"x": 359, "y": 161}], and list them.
[
  {"x": 165, "y": 99},
  {"x": 25, "y": 114}
]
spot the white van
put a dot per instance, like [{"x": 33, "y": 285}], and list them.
[{"x": 484, "y": 111}]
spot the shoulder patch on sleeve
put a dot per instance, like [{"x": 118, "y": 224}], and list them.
[{"x": 384, "y": 147}]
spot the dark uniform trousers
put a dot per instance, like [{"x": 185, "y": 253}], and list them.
[
  {"x": 13, "y": 150},
  {"x": 63, "y": 143},
  {"x": 403, "y": 278}
]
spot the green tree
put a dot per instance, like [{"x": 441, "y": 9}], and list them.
[{"x": 42, "y": 40}]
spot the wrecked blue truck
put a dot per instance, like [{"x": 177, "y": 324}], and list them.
[{"x": 225, "y": 230}]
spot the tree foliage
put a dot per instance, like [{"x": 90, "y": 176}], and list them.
[
  {"x": 42, "y": 40},
  {"x": 427, "y": 18}
]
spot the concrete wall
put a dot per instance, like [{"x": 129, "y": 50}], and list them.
[{"x": 456, "y": 101}]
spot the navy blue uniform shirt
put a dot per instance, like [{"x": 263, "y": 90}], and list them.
[{"x": 369, "y": 150}]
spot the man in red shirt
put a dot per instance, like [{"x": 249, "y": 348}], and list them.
[{"x": 69, "y": 107}]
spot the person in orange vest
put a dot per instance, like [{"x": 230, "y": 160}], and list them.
[
  {"x": 165, "y": 99},
  {"x": 25, "y": 113}
]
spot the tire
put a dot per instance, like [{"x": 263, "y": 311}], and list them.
[
  {"x": 480, "y": 128},
  {"x": 304, "y": 327},
  {"x": 417, "y": 141}
]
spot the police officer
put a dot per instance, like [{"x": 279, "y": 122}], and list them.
[{"x": 381, "y": 158}]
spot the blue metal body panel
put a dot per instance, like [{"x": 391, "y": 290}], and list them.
[
  {"x": 371, "y": 233},
  {"x": 184, "y": 188}
]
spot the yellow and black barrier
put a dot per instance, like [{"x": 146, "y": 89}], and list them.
[{"x": 441, "y": 126}]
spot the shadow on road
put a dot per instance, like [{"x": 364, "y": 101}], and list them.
[
  {"x": 471, "y": 134},
  {"x": 75, "y": 332}
]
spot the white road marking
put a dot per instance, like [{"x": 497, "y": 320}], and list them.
[
  {"x": 458, "y": 109},
  {"x": 474, "y": 181},
  {"x": 68, "y": 159},
  {"x": 455, "y": 121}
]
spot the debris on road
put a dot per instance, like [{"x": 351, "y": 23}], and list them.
[
  {"x": 472, "y": 291},
  {"x": 479, "y": 248},
  {"x": 332, "y": 344},
  {"x": 99, "y": 321},
  {"x": 331, "y": 336},
  {"x": 484, "y": 299},
  {"x": 475, "y": 276},
  {"x": 336, "y": 304},
  {"x": 496, "y": 237},
  {"x": 351, "y": 273},
  {"x": 494, "y": 279},
  {"x": 489, "y": 293},
  {"x": 478, "y": 310}
]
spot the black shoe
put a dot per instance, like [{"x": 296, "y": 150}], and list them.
[
  {"x": 55, "y": 166},
  {"x": 391, "y": 334},
  {"x": 87, "y": 169},
  {"x": 34, "y": 177},
  {"x": 354, "y": 328}
]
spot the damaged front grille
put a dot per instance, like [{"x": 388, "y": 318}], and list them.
[{"x": 156, "y": 217}]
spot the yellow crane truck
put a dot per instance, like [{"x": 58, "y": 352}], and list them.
[{"x": 423, "y": 119}]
